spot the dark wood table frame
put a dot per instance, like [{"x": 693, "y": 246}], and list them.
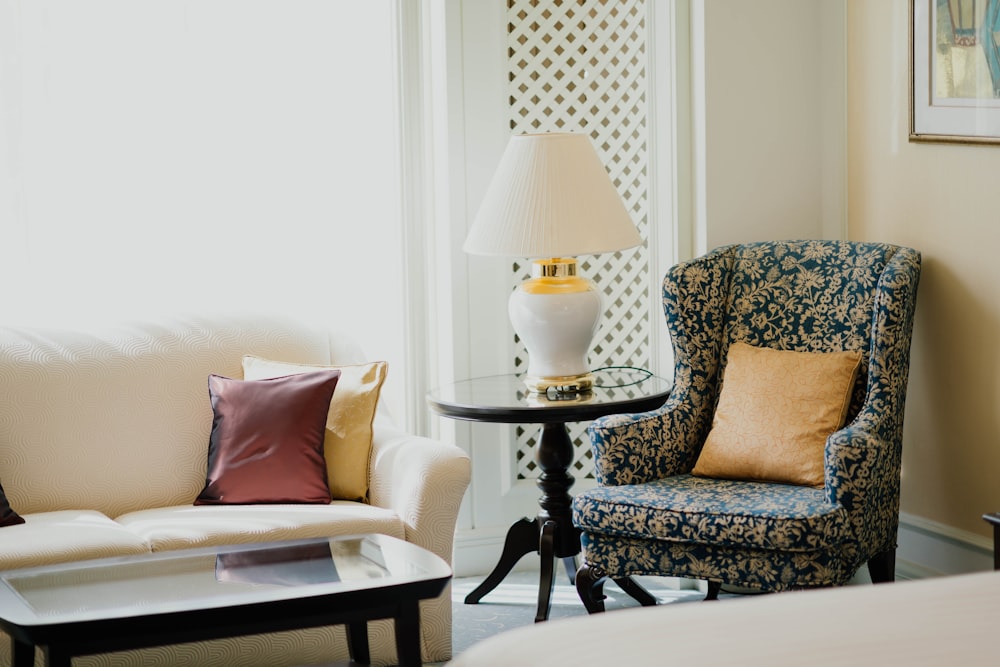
[
  {"x": 551, "y": 533},
  {"x": 60, "y": 642}
]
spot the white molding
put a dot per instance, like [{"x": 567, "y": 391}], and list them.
[
  {"x": 449, "y": 344},
  {"x": 928, "y": 548},
  {"x": 670, "y": 108},
  {"x": 669, "y": 161},
  {"x": 698, "y": 244},
  {"x": 416, "y": 202}
]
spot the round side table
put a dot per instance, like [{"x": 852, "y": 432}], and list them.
[{"x": 505, "y": 399}]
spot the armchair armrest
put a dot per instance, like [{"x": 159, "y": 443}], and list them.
[
  {"x": 863, "y": 460},
  {"x": 860, "y": 478},
  {"x": 423, "y": 481},
  {"x": 640, "y": 447}
]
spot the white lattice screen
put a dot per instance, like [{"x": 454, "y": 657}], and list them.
[{"x": 580, "y": 65}]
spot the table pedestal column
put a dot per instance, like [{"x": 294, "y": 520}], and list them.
[{"x": 551, "y": 534}]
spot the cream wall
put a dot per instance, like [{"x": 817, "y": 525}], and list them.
[
  {"x": 940, "y": 199},
  {"x": 768, "y": 118}
]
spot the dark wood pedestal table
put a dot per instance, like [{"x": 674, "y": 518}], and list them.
[{"x": 504, "y": 399}]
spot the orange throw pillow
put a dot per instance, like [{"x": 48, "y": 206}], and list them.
[{"x": 775, "y": 412}]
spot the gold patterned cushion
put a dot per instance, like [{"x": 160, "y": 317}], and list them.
[
  {"x": 775, "y": 412},
  {"x": 348, "y": 442}
]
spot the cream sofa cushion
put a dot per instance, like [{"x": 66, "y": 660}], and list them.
[
  {"x": 65, "y": 536},
  {"x": 186, "y": 526}
]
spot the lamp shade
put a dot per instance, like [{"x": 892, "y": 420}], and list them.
[{"x": 551, "y": 197}]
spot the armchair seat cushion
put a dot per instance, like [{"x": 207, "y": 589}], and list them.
[{"x": 695, "y": 510}]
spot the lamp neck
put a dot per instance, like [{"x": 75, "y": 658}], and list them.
[
  {"x": 557, "y": 267},
  {"x": 555, "y": 276}
]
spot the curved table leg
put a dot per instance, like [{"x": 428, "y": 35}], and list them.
[
  {"x": 522, "y": 538},
  {"x": 546, "y": 577}
]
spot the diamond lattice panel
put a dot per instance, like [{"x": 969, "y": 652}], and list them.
[{"x": 580, "y": 66}]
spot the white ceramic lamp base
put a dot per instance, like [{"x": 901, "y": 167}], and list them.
[{"x": 556, "y": 313}]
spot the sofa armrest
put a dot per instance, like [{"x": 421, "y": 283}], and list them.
[{"x": 423, "y": 481}]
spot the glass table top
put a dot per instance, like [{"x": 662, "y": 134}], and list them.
[
  {"x": 211, "y": 577},
  {"x": 506, "y": 398}
]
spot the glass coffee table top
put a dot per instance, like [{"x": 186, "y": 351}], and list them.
[{"x": 211, "y": 577}]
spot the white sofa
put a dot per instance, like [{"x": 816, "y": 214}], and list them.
[{"x": 103, "y": 448}]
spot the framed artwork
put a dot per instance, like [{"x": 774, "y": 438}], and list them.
[{"x": 955, "y": 71}]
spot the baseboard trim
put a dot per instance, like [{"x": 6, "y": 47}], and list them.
[
  {"x": 926, "y": 549},
  {"x": 931, "y": 549}
]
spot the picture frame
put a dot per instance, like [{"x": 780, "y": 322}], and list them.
[{"x": 955, "y": 71}]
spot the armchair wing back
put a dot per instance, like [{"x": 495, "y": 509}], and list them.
[{"x": 649, "y": 515}]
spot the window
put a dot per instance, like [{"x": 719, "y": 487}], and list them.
[{"x": 202, "y": 155}]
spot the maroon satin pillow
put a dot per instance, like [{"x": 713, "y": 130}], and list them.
[
  {"x": 267, "y": 440},
  {"x": 8, "y": 517}
]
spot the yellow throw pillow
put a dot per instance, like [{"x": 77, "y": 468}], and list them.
[
  {"x": 775, "y": 412},
  {"x": 348, "y": 443}
]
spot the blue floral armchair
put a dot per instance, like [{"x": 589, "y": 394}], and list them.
[{"x": 650, "y": 516}]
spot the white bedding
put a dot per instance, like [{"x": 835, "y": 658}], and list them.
[{"x": 940, "y": 621}]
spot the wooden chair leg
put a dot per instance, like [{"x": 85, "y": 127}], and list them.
[
  {"x": 590, "y": 588},
  {"x": 882, "y": 566},
  {"x": 713, "y": 590},
  {"x": 637, "y": 591}
]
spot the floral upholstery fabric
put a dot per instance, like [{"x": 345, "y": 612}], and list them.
[
  {"x": 648, "y": 517},
  {"x": 762, "y": 569},
  {"x": 683, "y": 509}
]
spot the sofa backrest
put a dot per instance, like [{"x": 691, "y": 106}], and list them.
[{"x": 118, "y": 419}]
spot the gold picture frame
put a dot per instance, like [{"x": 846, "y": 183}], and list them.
[{"x": 955, "y": 71}]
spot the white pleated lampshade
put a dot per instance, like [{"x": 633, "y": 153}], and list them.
[{"x": 551, "y": 197}]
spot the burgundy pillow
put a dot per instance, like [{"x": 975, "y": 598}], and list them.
[
  {"x": 267, "y": 436},
  {"x": 8, "y": 517}
]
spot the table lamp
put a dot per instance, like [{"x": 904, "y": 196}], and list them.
[{"x": 550, "y": 200}]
